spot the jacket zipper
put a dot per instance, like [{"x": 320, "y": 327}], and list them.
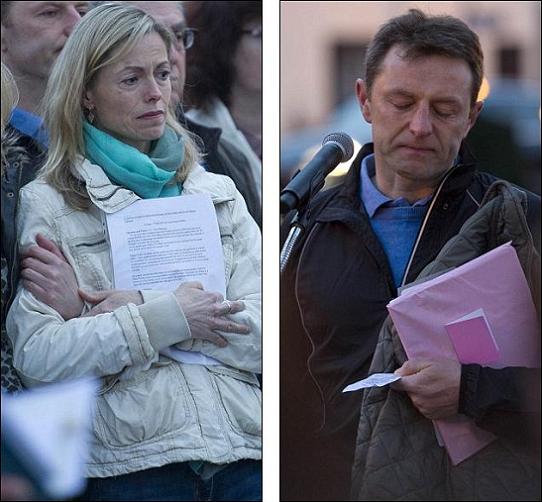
[
  {"x": 424, "y": 223},
  {"x": 305, "y": 328}
]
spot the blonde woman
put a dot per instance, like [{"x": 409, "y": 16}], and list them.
[
  {"x": 13, "y": 487},
  {"x": 163, "y": 430}
]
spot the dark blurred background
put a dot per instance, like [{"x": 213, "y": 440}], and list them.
[{"x": 322, "y": 53}]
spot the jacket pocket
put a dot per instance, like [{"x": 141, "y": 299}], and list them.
[
  {"x": 93, "y": 262},
  {"x": 241, "y": 398},
  {"x": 142, "y": 409}
]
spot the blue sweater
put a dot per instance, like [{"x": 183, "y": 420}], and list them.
[{"x": 395, "y": 222}]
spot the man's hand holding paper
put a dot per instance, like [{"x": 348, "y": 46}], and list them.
[{"x": 432, "y": 385}]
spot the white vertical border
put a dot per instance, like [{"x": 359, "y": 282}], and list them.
[{"x": 270, "y": 249}]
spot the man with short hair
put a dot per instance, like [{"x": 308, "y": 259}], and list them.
[
  {"x": 33, "y": 34},
  {"x": 405, "y": 196}
]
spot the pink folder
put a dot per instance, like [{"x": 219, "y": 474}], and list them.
[{"x": 493, "y": 282}]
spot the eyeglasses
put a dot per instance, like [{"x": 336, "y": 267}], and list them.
[
  {"x": 184, "y": 39},
  {"x": 254, "y": 32}
]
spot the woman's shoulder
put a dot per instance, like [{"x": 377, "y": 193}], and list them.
[
  {"x": 39, "y": 186},
  {"x": 39, "y": 192}
]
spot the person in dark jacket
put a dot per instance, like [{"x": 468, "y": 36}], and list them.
[
  {"x": 395, "y": 435},
  {"x": 404, "y": 197}
]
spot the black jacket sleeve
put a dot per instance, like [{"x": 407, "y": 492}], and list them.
[{"x": 512, "y": 389}]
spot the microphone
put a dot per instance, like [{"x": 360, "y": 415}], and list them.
[{"x": 337, "y": 147}]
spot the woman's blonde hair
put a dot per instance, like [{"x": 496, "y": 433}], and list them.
[
  {"x": 10, "y": 96},
  {"x": 101, "y": 38}
]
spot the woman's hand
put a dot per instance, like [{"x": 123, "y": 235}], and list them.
[
  {"x": 207, "y": 313},
  {"x": 109, "y": 300},
  {"x": 49, "y": 277}
]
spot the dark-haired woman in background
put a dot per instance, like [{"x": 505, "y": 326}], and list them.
[{"x": 224, "y": 75}]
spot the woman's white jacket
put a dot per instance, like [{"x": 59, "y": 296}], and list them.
[{"x": 151, "y": 410}]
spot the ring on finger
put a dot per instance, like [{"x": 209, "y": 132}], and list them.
[{"x": 227, "y": 304}]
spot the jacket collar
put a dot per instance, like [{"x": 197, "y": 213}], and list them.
[
  {"x": 106, "y": 196},
  {"x": 112, "y": 198},
  {"x": 459, "y": 180}
]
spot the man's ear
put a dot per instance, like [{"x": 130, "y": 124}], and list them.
[
  {"x": 473, "y": 115},
  {"x": 3, "y": 40},
  {"x": 363, "y": 100}
]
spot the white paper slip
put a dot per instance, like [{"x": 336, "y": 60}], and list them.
[
  {"x": 160, "y": 243},
  {"x": 50, "y": 428},
  {"x": 374, "y": 380}
]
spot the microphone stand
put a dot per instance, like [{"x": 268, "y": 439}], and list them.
[{"x": 297, "y": 229}]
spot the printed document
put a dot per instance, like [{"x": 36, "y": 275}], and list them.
[{"x": 160, "y": 243}]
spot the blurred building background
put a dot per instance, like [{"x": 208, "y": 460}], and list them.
[{"x": 322, "y": 53}]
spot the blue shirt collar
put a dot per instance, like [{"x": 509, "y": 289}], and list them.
[
  {"x": 29, "y": 124},
  {"x": 372, "y": 197}
]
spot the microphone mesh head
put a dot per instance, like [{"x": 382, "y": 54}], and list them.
[{"x": 343, "y": 141}]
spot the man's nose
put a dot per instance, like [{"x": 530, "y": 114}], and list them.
[
  {"x": 420, "y": 123},
  {"x": 73, "y": 16}
]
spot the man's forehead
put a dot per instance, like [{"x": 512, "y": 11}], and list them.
[
  {"x": 167, "y": 13},
  {"x": 433, "y": 67},
  {"x": 39, "y": 4}
]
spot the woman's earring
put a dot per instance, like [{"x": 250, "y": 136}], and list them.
[{"x": 90, "y": 115}]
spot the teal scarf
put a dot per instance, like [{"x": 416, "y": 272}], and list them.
[{"x": 148, "y": 175}]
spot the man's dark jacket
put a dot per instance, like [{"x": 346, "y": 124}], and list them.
[
  {"x": 397, "y": 454},
  {"x": 334, "y": 293}
]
